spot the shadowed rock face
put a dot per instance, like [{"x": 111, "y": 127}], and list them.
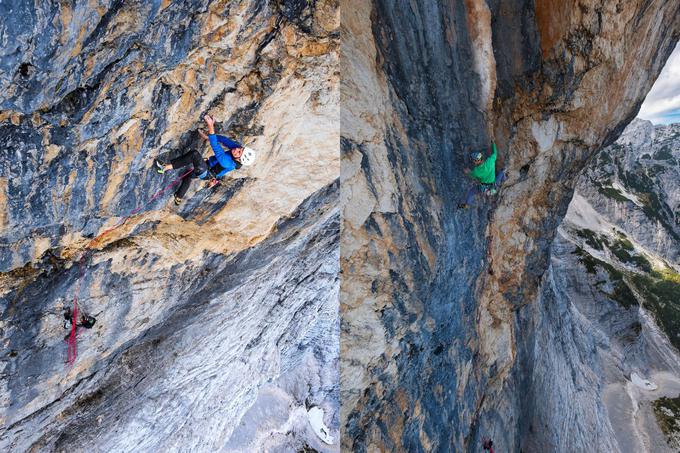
[
  {"x": 207, "y": 312},
  {"x": 437, "y": 303}
]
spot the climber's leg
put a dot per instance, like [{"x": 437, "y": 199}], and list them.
[
  {"x": 469, "y": 197},
  {"x": 182, "y": 189},
  {"x": 194, "y": 159},
  {"x": 500, "y": 178},
  {"x": 191, "y": 158},
  {"x": 471, "y": 193}
]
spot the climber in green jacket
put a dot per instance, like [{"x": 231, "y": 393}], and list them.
[{"x": 486, "y": 180}]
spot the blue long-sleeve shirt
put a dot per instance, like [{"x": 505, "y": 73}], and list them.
[{"x": 222, "y": 157}]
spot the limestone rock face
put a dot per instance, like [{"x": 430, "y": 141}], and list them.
[
  {"x": 217, "y": 323},
  {"x": 440, "y": 307},
  {"x": 608, "y": 317}
]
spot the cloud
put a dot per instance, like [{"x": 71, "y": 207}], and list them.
[{"x": 662, "y": 104}]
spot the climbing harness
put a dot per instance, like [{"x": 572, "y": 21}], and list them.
[
  {"x": 72, "y": 337},
  {"x": 489, "y": 189}
]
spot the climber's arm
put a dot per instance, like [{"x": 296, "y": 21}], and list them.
[
  {"x": 218, "y": 150},
  {"x": 493, "y": 151},
  {"x": 229, "y": 143}
]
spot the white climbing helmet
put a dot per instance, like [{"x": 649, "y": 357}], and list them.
[{"x": 248, "y": 156}]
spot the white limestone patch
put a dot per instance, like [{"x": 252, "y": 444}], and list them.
[
  {"x": 583, "y": 215},
  {"x": 642, "y": 383},
  {"x": 622, "y": 190},
  {"x": 545, "y": 133},
  {"x": 621, "y": 409},
  {"x": 482, "y": 47},
  {"x": 315, "y": 415}
]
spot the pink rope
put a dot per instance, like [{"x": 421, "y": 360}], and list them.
[{"x": 72, "y": 350}]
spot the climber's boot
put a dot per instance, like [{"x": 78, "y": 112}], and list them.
[
  {"x": 178, "y": 200},
  {"x": 159, "y": 166}
]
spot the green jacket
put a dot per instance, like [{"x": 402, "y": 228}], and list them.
[{"x": 486, "y": 171}]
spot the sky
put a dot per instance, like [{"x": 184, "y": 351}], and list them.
[{"x": 662, "y": 104}]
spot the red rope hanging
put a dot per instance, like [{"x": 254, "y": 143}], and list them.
[{"x": 72, "y": 350}]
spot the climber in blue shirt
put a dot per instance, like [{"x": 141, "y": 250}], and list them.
[
  {"x": 227, "y": 160},
  {"x": 228, "y": 155}
]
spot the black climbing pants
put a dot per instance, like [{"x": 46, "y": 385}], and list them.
[{"x": 194, "y": 159}]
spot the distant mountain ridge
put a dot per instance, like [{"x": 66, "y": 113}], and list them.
[{"x": 615, "y": 282}]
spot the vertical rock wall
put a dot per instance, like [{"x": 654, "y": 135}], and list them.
[
  {"x": 217, "y": 321},
  {"x": 435, "y": 342},
  {"x": 206, "y": 312},
  {"x": 590, "y": 85}
]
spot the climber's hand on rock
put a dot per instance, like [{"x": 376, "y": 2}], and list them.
[
  {"x": 466, "y": 171},
  {"x": 203, "y": 135},
  {"x": 211, "y": 124}
]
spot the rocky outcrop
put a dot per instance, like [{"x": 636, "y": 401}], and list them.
[
  {"x": 606, "y": 346},
  {"x": 217, "y": 321},
  {"x": 440, "y": 307},
  {"x": 206, "y": 313}
]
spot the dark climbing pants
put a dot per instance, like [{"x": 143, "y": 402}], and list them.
[
  {"x": 480, "y": 188},
  {"x": 194, "y": 159}
]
